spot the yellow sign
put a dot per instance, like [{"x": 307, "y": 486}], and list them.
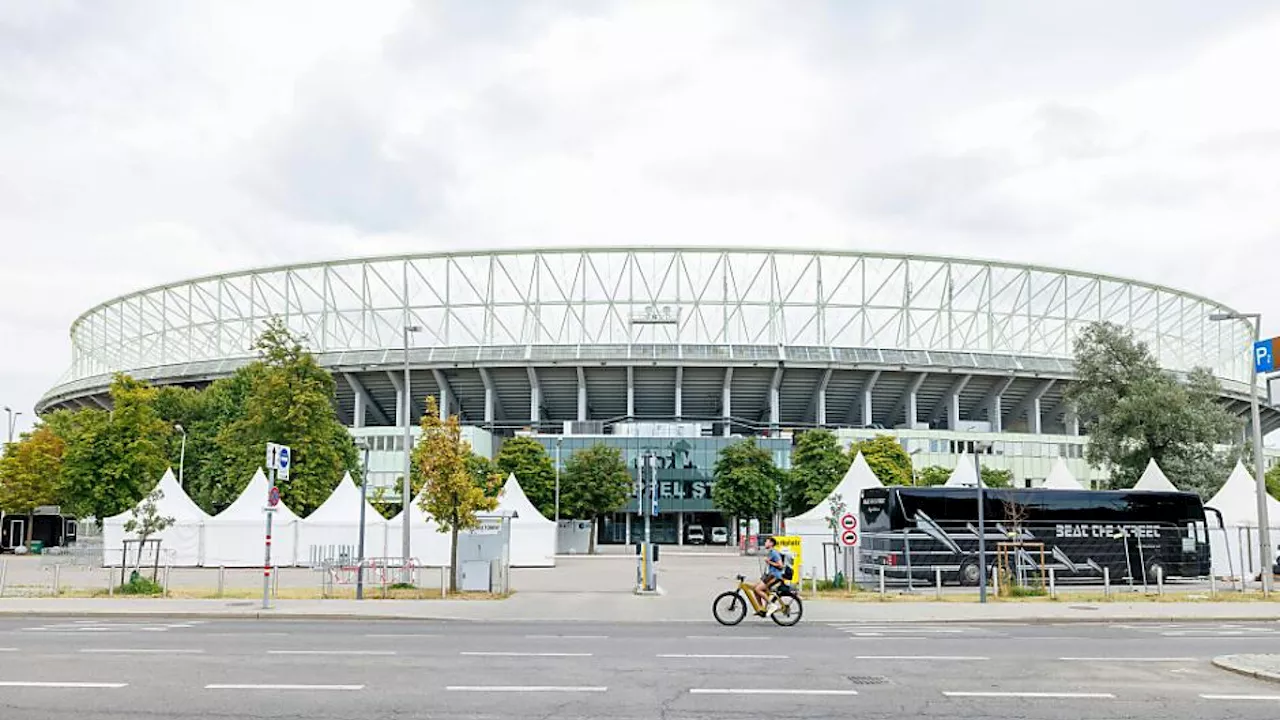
[{"x": 791, "y": 544}]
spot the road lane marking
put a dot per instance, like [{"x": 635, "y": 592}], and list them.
[
  {"x": 566, "y": 637},
  {"x": 1274, "y": 698},
  {"x": 767, "y": 691},
  {"x": 1128, "y": 659},
  {"x": 284, "y": 687},
  {"x": 922, "y": 657},
  {"x": 523, "y": 654},
  {"x": 65, "y": 685},
  {"x": 684, "y": 656},
  {"x": 525, "y": 688},
  {"x": 331, "y": 652},
  {"x": 402, "y": 635},
  {"x": 863, "y": 636},
  {"x": 245, "y": 634},
  {"x": 1057, "y": 695},
  {"x": 142, "y": 651},
  {"x": 725, "y": 637},
  {"x": 8, "y": 649}
]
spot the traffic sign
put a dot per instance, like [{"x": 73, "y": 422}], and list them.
[
  {"x": 280, "y": 459},
  {"x": 1264, "y": 355},
  {"x": 849, "y": 538},
  {"x": 273, "y": 496},
  {"x": 849, "y": 521}
]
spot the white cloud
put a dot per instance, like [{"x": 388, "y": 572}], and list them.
[{"x": 146, "y": 141}]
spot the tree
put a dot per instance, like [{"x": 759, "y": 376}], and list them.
[
  {"x": 112, "y": 459},
  {"x": 817, "y": 466},
  {"x": 482, "y": 469},
  {"x": 31, "y": 474},
  {"x": 285, "y": 397},
  {"x": 1136, "y": 412},
  {"x": 1273, "y": 482},
  {"x": 933, "y": 475},
  {"x": 452, "y": 496},
  {"x": 747, "y": 481},
  {"x": 997, "y": 478},
  {"x": 887, "y": 459},
  {"x": 528, "y": 459},
  {"x": 145, "y": 520},
  {"x": 595, "y": 482}
]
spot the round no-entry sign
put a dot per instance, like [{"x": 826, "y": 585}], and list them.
[
  {"x": 273, "y": 496},
  {"x": 849, "y": 521},
  {"x": 849, "y": 538}
]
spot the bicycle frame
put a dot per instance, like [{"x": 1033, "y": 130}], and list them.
[{"x": 749, "y": 589}]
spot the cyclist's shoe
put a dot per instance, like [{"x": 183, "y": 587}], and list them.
[{"x": 772, "y": 608}]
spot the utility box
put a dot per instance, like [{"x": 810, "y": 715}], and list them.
[
  {"x": 573, "y": 537},
  {"x": 484, "y": 555}
]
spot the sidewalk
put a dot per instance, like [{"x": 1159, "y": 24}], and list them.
[
  {"x": 1262, "y": 667},
  {"x": 626, "y": 607}
]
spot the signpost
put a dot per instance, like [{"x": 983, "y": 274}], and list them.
[
  {"x": 279, "y": 458},
  {"x": 648, "y": 506}
]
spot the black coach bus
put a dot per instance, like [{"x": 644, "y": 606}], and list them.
[{"x": 911, "y": 531}]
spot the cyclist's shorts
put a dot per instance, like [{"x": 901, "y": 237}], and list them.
[{"x": 769, "y": 580}]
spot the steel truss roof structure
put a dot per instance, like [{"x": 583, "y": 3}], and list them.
[{"x": 762, "y": 337}]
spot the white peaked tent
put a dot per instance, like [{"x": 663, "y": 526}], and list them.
[
  {"x": 533, "y": 536},
  {"x": 1238, "y": 503},
  {"x": 236, "y": 536},
  {"x": 335, "y": 526},
  {"x": 1060, "y": 477},
  {"x": 427, "y": 545},
  {"x": 964, "y": 475},
  {"x": 182, "y": 543},
  {"x": 1154, "y": 480},
  {"x": 811, "y": 526}
]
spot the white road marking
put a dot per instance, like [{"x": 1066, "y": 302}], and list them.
[
  {"x": 1274, "y": 698},
  {"x": 895, "y": 639},
  {"x": 1128, "y": 659},
  {"x": 723, "y": 657},
  {"x": 331, "y": 652},
  {"x": 524, "y": 654},
  {"x": 284, "y": 687},
  {"x": 80, "y": 685},
  {"x": 1061, "y": 695},
  {"x": 390, "y": 636},
  {"x": 245, "y": 634},
  {"x": 767, "y": 691},
  {"x": 566, "y": 637},
  {"x": 725, "y": 637},
  {"x": 922, "y": 657},
  {"x": 525, "y": 688},
  {"x": 8, "y": 649},
  {"x": 142, "y": 651}
]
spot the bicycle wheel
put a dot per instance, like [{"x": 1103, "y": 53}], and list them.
[
  {"x": 729, "y": 608},
  {"x": 789, "y": 612}
]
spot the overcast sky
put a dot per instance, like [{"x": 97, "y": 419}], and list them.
[{"x": 143, "y": 142}]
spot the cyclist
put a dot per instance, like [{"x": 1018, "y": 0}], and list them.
[{"x": 771, "y": 578}]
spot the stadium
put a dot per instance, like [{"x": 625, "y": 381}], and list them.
[{"x": 674, "y": 350}]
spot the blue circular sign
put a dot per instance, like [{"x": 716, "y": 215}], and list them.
[{"x": 283, "y": 458}]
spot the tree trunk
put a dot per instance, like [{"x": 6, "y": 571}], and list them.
[
  {"x": 31, "y": 526},
  {"x": 453, "y": 561}
]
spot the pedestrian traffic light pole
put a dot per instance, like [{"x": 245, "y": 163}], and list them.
[{"x": 649, "y": 508}]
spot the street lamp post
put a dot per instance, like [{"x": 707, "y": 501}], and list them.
[
  {"x": 182, "y": 454},
  {"x": 406, "y": 488},
  {"x": 363, "y": 444},
  {"x": 1259, "y": 464},
  {"x": 13, "y": 419},
  {"x": 559, "y": 441},
  {"x": 982, "y": 523}
]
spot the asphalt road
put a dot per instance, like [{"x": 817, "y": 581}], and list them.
[{"x": 142, "y": 668}]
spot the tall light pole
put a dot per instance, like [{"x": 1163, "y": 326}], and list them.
[
  {"x": 13, "y": 419},
  {"x": 978, "y": 448},
  {"x": 1259, "y": 464},
  {"x": 182, "y": 454},
  {"x": 406, "y": 488},
  {"x": 363, "y": 445},
  {"x": 559, "y": 441}
]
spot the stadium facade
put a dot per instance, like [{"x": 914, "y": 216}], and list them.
[{"x": 674, "y": 349}]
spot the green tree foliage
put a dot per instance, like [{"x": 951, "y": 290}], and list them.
[
  {"x": 997, "y": 478},
  {"x": 887, "y": 459},
  {"x": 31, "y": 473},
  {"x": 482, "y": 469},
  {"x": 528, "y": 459},
  {"x": 595, "y": 482},
  {"x": 112, "y": 460},
  {"x": 1273, "y": 482},
  {"x": 817, "y": 465},
  {"x": 932, "y": 476},
  {"x": 747, "y": 481},
  {"x": 1136, "y": 412},
  {"x": 284, "y": 397},
  {"x": 452, "y": 496}
]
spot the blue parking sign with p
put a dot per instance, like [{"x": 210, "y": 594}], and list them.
[{"x": 1264, "y": 355}]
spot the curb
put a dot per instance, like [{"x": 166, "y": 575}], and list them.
[{"x": 1231, "y": 664}]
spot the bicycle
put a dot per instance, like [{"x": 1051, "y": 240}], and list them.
[{"x": 730, "y": 607}]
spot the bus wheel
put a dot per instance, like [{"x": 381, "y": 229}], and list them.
[{"x": 969, "y": 574}]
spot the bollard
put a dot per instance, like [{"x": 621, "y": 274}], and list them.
[
  {"x": 1213, "y": 585},
  {"x": 1106, "y": 582},
  {"x": 167, "y": 571},
  {"x": 937, "y": 582},
  {"x": 222, "y": 579},
  {"x": 1159, "y": 579},
  {"x": 995, "y": 583},
  {"x": 275, "y": 583},
  {"x": 111, "y": 585},
  {"x": 57, "y": 580},
  {"x": 4, "y": 571},
  {"x": 882, "y": 580},
  {"x": 444, "y": 584},
  {"x": 1053, "y": 584}
]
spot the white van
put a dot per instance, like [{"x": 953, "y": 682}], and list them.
[{"x": 695, "y": 536}]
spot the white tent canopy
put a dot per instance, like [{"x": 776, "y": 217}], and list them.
[
  {"x": 1238, "y": 500},
  {"x": 335, "y": 526},
  {"x": 533, "y": 536},
  {"x": 811, "y": 526},
  {"x": 1060, "y": 477},
  {"x": 1238, "y": 503},
  {"x": 181, "y": 544},
  {"x": 427, "y": 545},
  {"x": 235, "y": 536},
  {"x": 964, "y": 475},
  {"x": 1154, "y": 480}
]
